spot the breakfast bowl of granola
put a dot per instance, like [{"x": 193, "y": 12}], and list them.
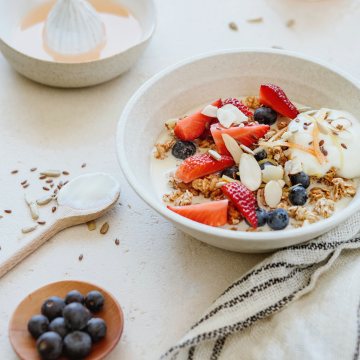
[{"x": 246, "y": 150}]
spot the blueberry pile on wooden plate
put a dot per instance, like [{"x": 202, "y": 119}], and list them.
[{"x": 67, "y": 326}]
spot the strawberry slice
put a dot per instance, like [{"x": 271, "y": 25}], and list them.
[
  {"x": 192, "y": 126},
  {"x": 273, "y": 96},
  {"x": 200, "y": 165},
  {"x": 243, "y": 108},
  {"x": 243, "y": 199},
  {"x": 247, "y": 135},
  {"x": 212, "y": 213}
]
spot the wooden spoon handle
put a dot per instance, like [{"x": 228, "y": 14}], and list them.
[{"x": 32, "y": 242}]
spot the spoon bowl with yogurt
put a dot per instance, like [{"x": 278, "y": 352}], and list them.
[{"x": 83, "y": 199}]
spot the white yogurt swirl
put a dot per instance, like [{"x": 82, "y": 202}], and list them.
[{"x": 337, "y": 138}]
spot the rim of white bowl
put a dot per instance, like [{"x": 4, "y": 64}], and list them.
[
  {"x": 156, "y": 204},
  {"x": 64, "y": 64}
]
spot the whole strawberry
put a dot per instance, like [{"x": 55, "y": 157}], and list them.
[
  {"x": 243, "y": 108},
  {"x": 243, "y": 199}
]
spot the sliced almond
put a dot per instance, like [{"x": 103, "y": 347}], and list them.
[
  {"x": 228, "y": 179},
  {"x": 272, "y": 173},
  {"x": 233, "y": 147},
  {"x": 226, "y": 117},
  {"x": 246, "y": 149},
  {"x": 215, "y": 155},
  {"x": 293, "y": 166},
  {"x": 210, "y": 111},
  {"x": 250, "y": 172},
  {"x": 281, "y": 183},
  {"x": 273, "y": 193}
]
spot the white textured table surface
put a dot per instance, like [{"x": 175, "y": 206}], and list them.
[{"x": 163, "y": 279}]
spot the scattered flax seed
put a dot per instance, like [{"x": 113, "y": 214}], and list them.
[
  {"x": 81, "y": 256},
  {"x": 56, "y": 191},
  {"x": 344, "y": 146},
  {"x": 41, "y": 222},
  {"x": 7, "y": 211},
  {"x": 53, "y": 209},
  {"x": 28, "y": 229},
  {"x": 23, "y": 182},
  {"x": 51, "y": 186},
  {"x": 104, "y": 228},
  {"x": 14, "y": 172},
  {"x": 117, "y": 242},
  {"x": 233, "y": 26},
  {"x": 65, "y": 182},
  {"x": 321, "y": 143},
  {"x": 83, "y": 165},
  {"x": 323, "y": 151},
  {"x": 255, "y": 20},
  {"x": 49, "y": 181},
  {"x": 46, "y": 188},
  {"x": 290, "y": 23},
  {"x": 51, "y": 173},
  {"x": 26, "y": 186},
  {"x": 42, "y": 177},
  {"x": 66, "y": 173},
  {"x": 91, "y": 225},
  {"x": 33, "y": 169}
]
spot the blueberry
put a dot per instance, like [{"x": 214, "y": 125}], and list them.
[
  {"x": 262, "y": 216},
  {"x": 260, "y": 155},
  {"x": 231, "y": 172},
  {"x": 53, "y": 307},
  {"x": 74, "y": 296},
  {"x": 58, "y": 326},
  {"x": 183, "y": 149},
  {"x": 96, "y": 328},
  {"x": 49, "y": 345},
  {"x": 77, "y": 345},
  {"x": 76, "y": 316},
  {"x": 300, "y": 178},
  {"x": 38, "y": 325},
  {"x": 278, "y": 219},
  {"x": 265, "y": 115},
  {"x": 266, "y": 163},
  {"x": 94, "y": 301},
  {"x": 297, "y": 195}
]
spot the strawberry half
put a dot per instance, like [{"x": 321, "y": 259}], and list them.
[
  {"x": 243, "y": 108},
  {"x": 243, "y": 199},
  {"x": 274, "y": 97},
  {"x": 247, "y": 135},
  {"x": 212, "y": 213},
  {"x": 192, "y": 126},
  {"x": 200, "y": 165}
]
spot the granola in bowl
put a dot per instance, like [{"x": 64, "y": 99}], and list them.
[{"x": 258, "y": 163}]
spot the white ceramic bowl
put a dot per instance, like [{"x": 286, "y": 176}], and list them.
[
  {"x": 199, "y": 80},
  {"x": 71, "y": 75}
]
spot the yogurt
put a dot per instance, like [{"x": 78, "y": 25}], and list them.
[
  {"x": 90, "y": 191},
  {"x": 338, "y": 133}
]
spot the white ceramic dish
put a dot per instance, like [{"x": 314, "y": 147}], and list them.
[
  {"x": 72, "y": 74},
  {"x": 199, "y": 80}
]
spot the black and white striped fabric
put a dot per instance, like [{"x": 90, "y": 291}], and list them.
[{"x": 267, "y": 289}]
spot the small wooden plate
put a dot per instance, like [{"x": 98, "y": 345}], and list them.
[{"x": 24, "y": 344}]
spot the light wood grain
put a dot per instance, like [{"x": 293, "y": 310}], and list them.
[
  {"x": 24, "y": 344},
  {"x": 64, "y": 217}
]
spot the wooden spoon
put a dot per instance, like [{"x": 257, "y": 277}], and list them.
[
  {"x": 63, "y": 218},
  {"x": 24, "y": 344}
]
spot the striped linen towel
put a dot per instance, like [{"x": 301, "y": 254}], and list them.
[{"x": 266, "y": 315}]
